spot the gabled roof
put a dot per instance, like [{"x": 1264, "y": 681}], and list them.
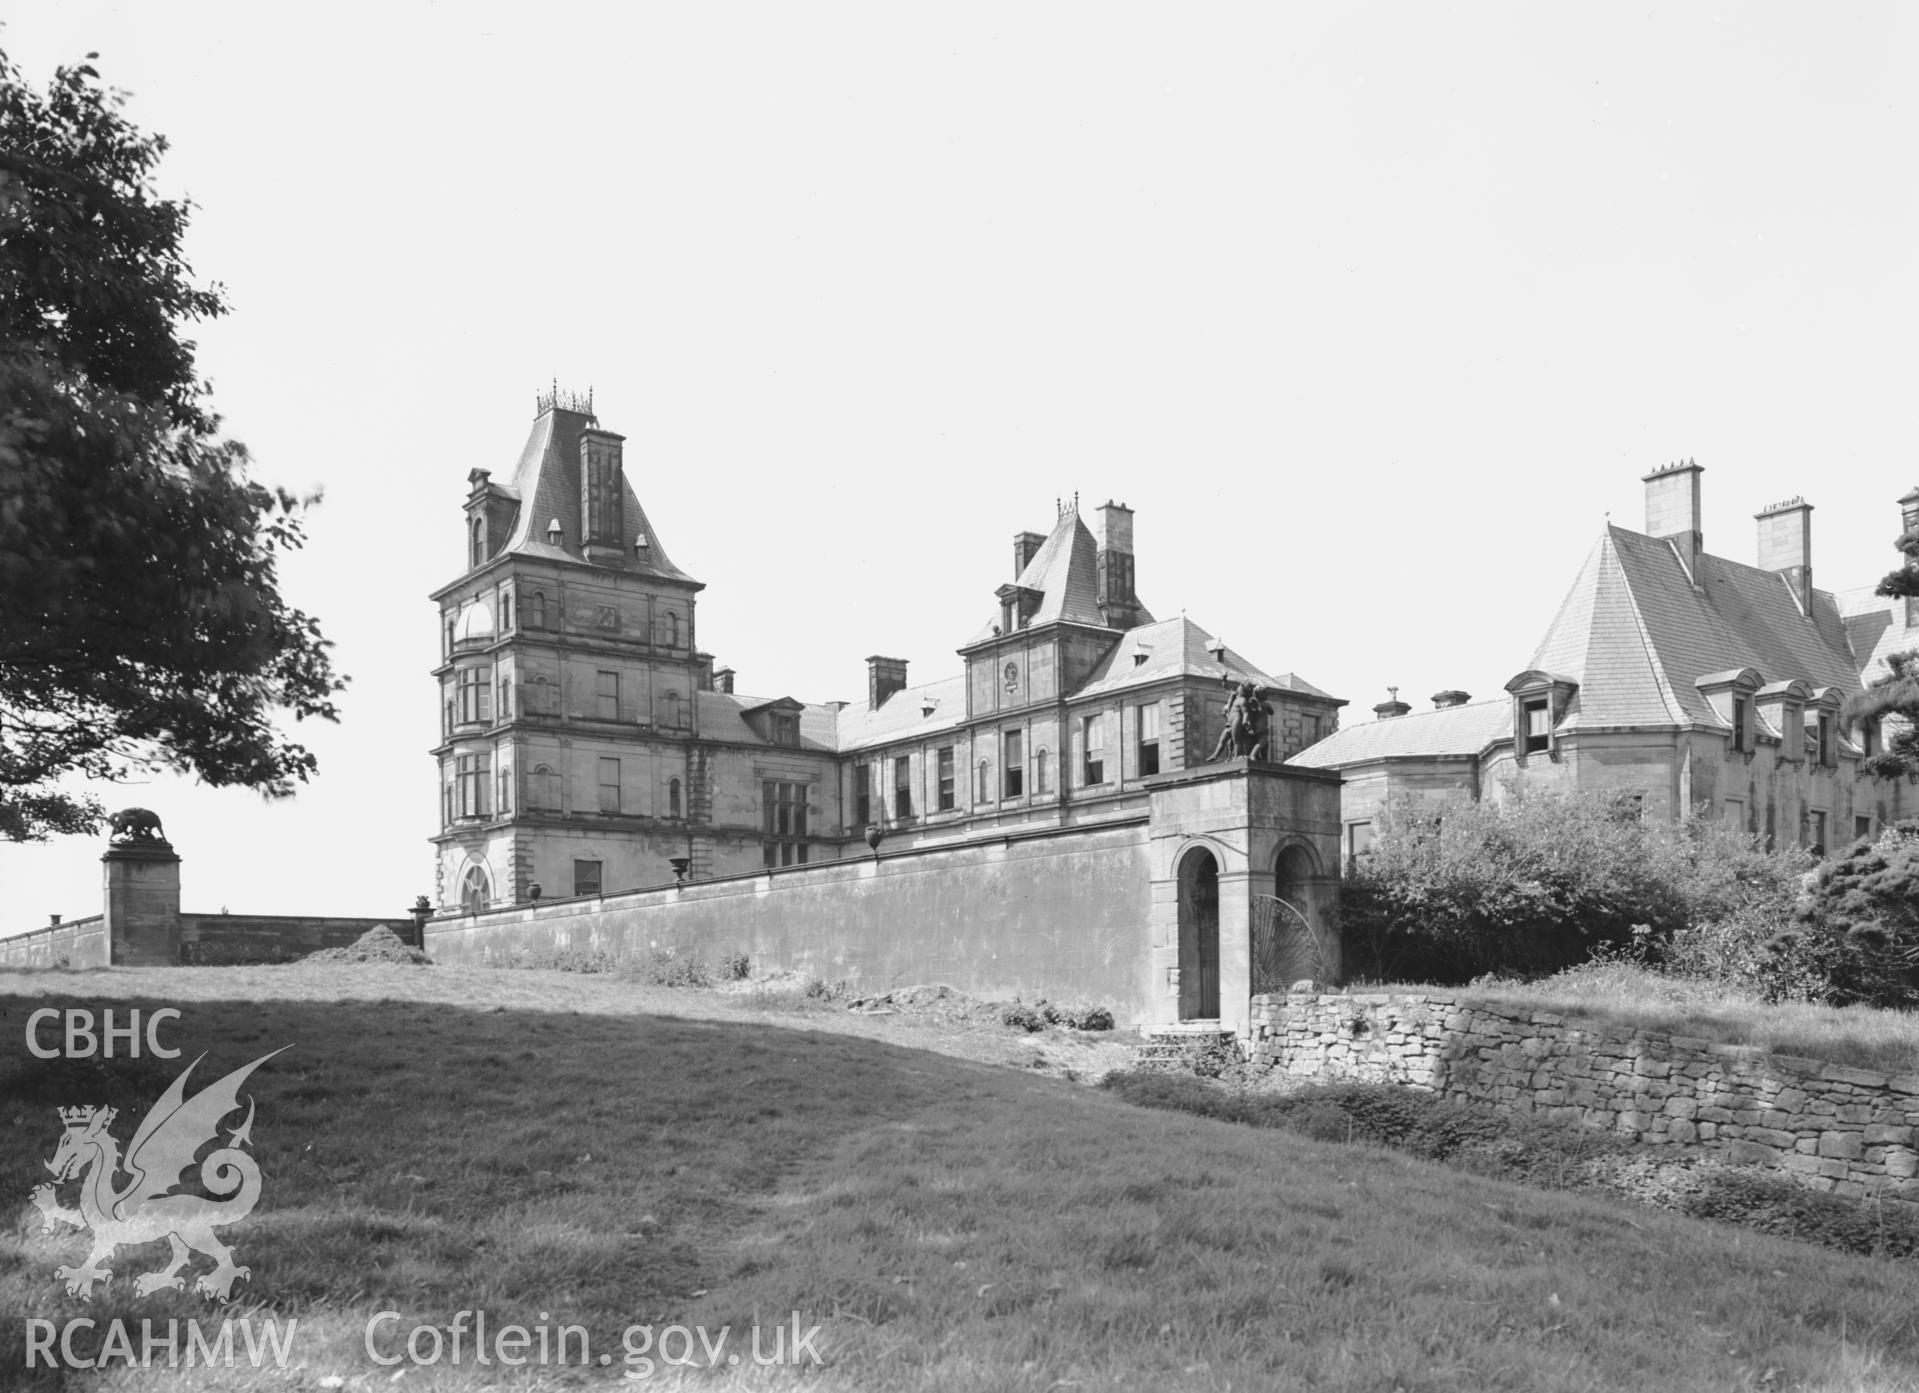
[
  {"x": 1637, "y": 635},
  {"x": 1455, "y": 730},
  {"x": 547, "y": 481},
  {"x": 1177, "y": 648},
  {"x": 1065, "y": 573}
]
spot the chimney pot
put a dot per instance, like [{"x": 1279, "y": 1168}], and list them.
[{"x": 54, "y": 920}]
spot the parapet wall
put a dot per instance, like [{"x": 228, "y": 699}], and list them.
[
  {"x": 74, "y": 943},
  {"x": 1062, "y": 914},
  {"x": 1849, "y": 1131}
]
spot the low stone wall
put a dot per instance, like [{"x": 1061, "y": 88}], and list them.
[
  {"x": 1849, "y": 1131},
  {"x": 74, "y": 943}
]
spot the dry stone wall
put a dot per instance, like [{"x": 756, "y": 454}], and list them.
[{"x": 1848, "y": 1131}]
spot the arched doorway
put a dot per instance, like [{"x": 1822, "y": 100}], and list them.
[
  {"x": 475, "y": 890},
  {"x": 1287, "y": 945},
  {"x": 1199, "y": 936}
]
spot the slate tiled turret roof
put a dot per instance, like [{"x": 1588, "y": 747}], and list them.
[
  {"x": 1636, "y": 634},
  {"x": 547, "y": 482},
  {"x": 1065, "y": 572}
]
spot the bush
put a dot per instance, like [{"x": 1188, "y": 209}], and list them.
[
  {"x": 735, "y": 967},
  {"x": 1540, "y": 880},
  {"x": 1022, "y": 1017},
  {"x": 1776, "y": 1206},
  {"x": 1860, "y": 920},
  {"x": 1076, "y": 1017},
  {"x": 556, "y": 959},
  {"x": 819, "y": 989},
  {"x": 664, "y": 968}
]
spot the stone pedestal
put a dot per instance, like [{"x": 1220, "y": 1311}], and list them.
[
  {"x": 142, "y": 904},
  {"x": 1267, "y": 830}
]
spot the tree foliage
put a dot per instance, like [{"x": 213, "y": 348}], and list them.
[
  {"x": 1862, "y": 911},
  {"x": 141, "y": 623},
  {"x": 1542, "y": 879},
  {"x": 1896, "y": 692}
]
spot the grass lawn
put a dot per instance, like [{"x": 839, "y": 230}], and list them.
[{"x": 443, "y": 1139}]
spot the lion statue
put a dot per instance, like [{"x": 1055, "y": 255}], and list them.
[{"x": 136, "y": 827}]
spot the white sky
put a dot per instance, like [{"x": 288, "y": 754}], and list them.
[{"x": 1372, "y": 313}]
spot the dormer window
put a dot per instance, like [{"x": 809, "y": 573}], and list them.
[
  {"x": 1822, "y": 727},
  {"x": 1730, "y": 694},
  {"x": 1540, "y": 702},
  {"x": 786, "y": 729},
  {"x": 1782, "y": 705}
]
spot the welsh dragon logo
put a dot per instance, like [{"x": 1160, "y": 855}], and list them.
[{"x": 147, "y": 1206}]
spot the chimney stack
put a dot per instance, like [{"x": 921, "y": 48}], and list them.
[
  {"x": 1026, "y": 546},
  {"x": 1672, "y": 511},
  {"x": 1387, "y": 710},
  {"x": 884, "y": 676},
  {"x": 1785, "y": 546},
  {"x": 1113, "y": 536},
  {"x": 723, "y": 680},
  {"x": 1449, "y": 698}
]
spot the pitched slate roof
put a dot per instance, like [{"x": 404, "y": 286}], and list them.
[
  {"x": 1065, "y": 570},
  {"x": 903, "y": 715},
  {"x": 1877, "y": 629},
  {"x": 1176, "y": 648},
  {"x": 723, "y": 717},
  {"x": 1455, "y": 730},
  {"x": 547, "y": 482},
  {"x": 1636, "y": 634}
]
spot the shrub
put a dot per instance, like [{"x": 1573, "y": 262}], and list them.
[
  {"x": 1076, "y": 1017},
  {"x": 1776, "y": 1206},
  {"x": 556, "y": 959},
  {"x": 1860, "y": 919},
  {"x": 1023, "y": 1017},
  {"x": 1542, "y": 879},
  {"x": 819, "y": 989},
  {"x": 735, "y": 967},
  {"x": 664, "y": 968}
]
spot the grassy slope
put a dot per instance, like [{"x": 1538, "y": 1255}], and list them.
[{"x": 531, "y": 1142}]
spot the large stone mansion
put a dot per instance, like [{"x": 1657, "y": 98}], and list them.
[
  {"x": 590, "y": 744},
  {"x": 1682, "y": 681}
]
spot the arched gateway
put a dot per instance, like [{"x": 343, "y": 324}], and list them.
[{"x": 1198, "y": 936}]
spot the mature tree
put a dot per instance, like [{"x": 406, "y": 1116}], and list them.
[
  {"x": 141, "y": 624},
  {"x": 1896, "y": 693}
]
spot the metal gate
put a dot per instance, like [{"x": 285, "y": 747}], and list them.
[{"x": 1285, "y": 946}]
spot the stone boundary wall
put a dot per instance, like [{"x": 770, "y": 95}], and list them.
[
  {"x": 229, "y": 940},
  {"x": 74, "y": 943},
  {"x": 1063, "y": 914},
  {"x": 1848, "y": 1131}
]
